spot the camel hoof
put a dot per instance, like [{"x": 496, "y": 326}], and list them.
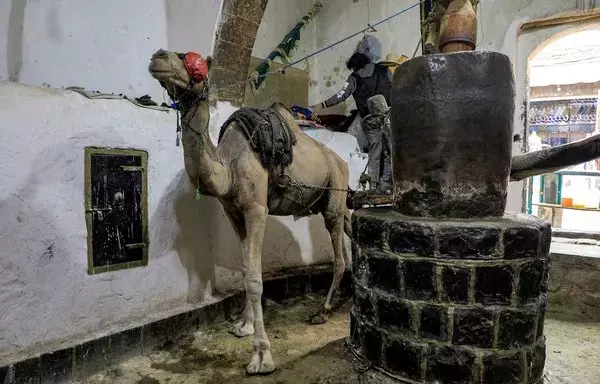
[
  {"x": 261, "y": 364},
  {"x": 319, "y": 318},
  {"x": 242, "y": 330}
]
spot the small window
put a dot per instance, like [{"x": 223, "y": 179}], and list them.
[{"x": 116, "y": 206}]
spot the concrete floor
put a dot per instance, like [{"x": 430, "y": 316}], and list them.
[{"x": 308, "y": 354}]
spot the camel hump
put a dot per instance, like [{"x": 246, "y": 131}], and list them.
[{"x": 268, "y": 133}]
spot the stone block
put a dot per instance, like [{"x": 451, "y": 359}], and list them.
[
  {"x": 363, "y": 302},
  {"x": 516, "y": 329},
  {"x": 493, "y": 285},
  {"x": 545, "y": 239},
  {"x": 404, "y": 358},
  {"x": 450, "y": 365},
  {"x": 126, "y": 344},
  {"x": 419, "y": 280},
  {"x": 530, "y": 281},
  {"x": 452, "y": 118},
  {"x": 371, "y": 233},
  {"x": 521, "y": 243},
  {"x": 503, "y": 369},
  {"x": 537, "y": 360},
  {"x": 394, "y": 315},
  {"x": 412, "y": 238},
  {"x": 384, "y": 273},
  {"x": 320, "y": 281},
  {"x": 297, "y": 285},
  {"x": 433, "y": 323},
  {"x": 251, "y": 10},
  {"x": 4, "y": 372},
  {"x": 372, "y": 344},
  {"x": 57, "y": 367},
  {"x": 92, "y": 357},
  {"x": 232, "y": 56},
  {"x": 455, "y": 284},
  {"x": 28, "y": 371},
  {"x": 473, "y": 327},
  {"x": 468, "y": 243},
  {"x": 238, "y": 30},
  {"x": 275, "y": 289},
  {"x": 542, "y": 315}
]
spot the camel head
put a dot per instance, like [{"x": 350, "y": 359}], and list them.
[{"x": 181, "y": 74}]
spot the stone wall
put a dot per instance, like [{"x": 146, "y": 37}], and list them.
[
  {"x": 232, "y": 51},
  {"x": 455, "y": 301}
]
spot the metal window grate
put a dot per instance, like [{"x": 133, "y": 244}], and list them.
[{"x": 116, "y": 207}]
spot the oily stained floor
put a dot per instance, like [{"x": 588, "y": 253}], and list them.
[{"x": 316, "y": 354}]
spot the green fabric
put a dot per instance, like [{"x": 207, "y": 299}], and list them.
[{"x": 284, "y": 49}]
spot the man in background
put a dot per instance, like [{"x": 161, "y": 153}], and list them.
[{"x": 368, "y": 78}]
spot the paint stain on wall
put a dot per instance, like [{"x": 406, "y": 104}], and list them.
[{"x": 14, "y": 49}]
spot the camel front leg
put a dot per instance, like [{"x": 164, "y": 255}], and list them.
[
  {"x": 335, "y": 226},
  {"x": 244, "y": 327},
  {"x": 262, "y": 361}
]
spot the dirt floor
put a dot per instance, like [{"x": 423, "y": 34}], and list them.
[{"x": 309, "y": 354}]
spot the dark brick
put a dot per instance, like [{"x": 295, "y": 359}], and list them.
[
  {"x": 384, "y": 273},
  {"x": 517, "y": 329},
  {"x": 450, "y": 365},
  {"x": 468, "y": 243},
  {"x": 28, "y": 371},
  {"x": 355, "y": 225},
  {"x": 503, "y": 369},
  {"x": 433, "y": 323},
  {"x": 276, "y": 289},
  {"x": 371, "y": 232},
  {"x": 92, "y": 357},
  {"x": 320, "y": 282},
  {"x": 530, "y": 281},
  {"x": 234, "y": 305},
  {"x": 394, "y": 314},
  {"x": 371, "y": 341},
  {"x": 493, "y": 285},
  {"x": 346, "y": 284},
  {"x": 455, "y": 284},
  {"x": 298, "y": 285},
  {"x": 545, "y": 239},
  {"x": 520, "y": 243},
  {"x": 540, "y": 327},
  {"x": 4, "y": 374},
  {"x": 474, "y": 327},
  {"x": 363, "y": 302},
  {"x": 545, "y": 276},
  {"x": 126, "y": 344},
  {"x": 404, "y": 358},
  {"x": 57, "y": 367},
  {"x": 353, "y": 328},
  {"x": 419, "y": 280},
  {"x": 537, "y": 360},
  {"x": 412, "y": 238}
]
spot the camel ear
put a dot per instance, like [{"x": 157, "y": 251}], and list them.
[{"x": 209, "y": 62}]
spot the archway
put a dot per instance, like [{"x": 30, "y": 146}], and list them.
[{"x": 563, "y": 88}]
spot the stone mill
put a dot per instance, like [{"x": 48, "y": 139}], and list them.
[{"x": 448, "y": 288}]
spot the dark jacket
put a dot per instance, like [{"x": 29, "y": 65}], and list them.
[{"x": 373, "y": 79}]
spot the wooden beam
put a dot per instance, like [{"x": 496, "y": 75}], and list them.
[
  {"x": 555, "y": 158},
  {"x": 561, "y": 19}
]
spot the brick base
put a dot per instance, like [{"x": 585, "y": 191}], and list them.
[{"x": 451, "y": 301}]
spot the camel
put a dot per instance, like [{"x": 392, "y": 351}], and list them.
[{"x": 316, "y": 181}]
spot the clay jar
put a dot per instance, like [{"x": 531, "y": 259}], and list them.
[
  {"x": 452, "y": 120},
  {"x": 458, "y": 28}
]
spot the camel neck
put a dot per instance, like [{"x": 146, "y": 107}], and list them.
[{"x": 202, "y": 163}]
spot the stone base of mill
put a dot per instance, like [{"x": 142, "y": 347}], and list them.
[{"x": 450, "y": 301}]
